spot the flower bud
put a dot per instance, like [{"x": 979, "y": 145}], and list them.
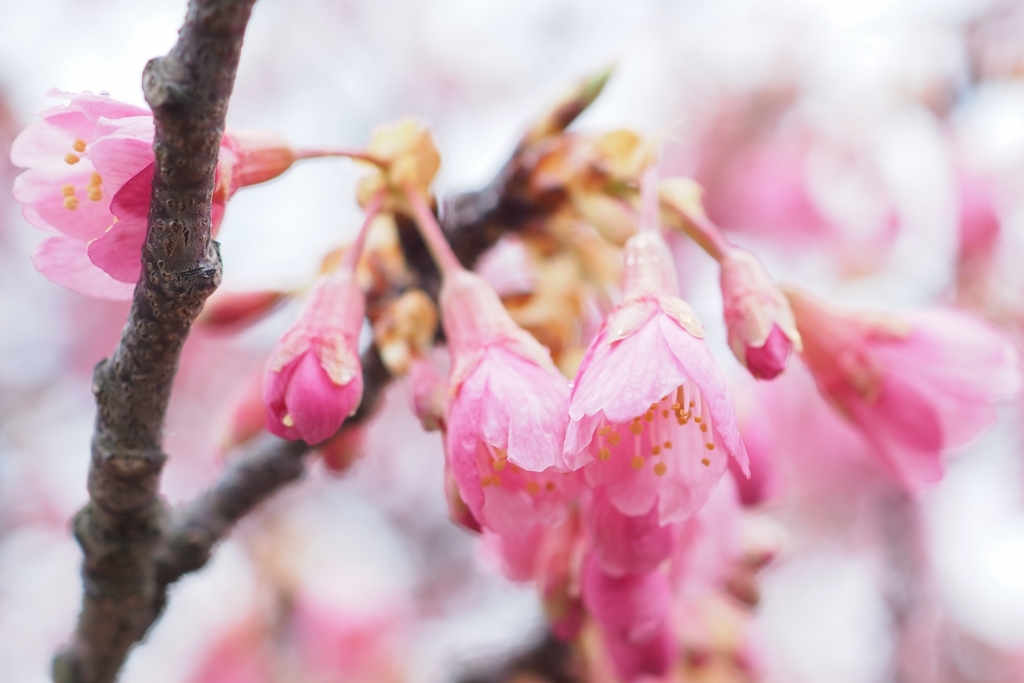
[
  {"x": 758, "y": 316},
  {"x": 314, "y": 380}
]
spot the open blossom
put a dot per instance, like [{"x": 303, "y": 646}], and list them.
[
  {"x": 506, "y": 415},
  {"x": 915, "y": 385},
  {"x": 314, "y": 379},
  {"x": 89, "y": 178},
  {"x": 651, "y": 416},
  {"x": 760, "y": 323}
]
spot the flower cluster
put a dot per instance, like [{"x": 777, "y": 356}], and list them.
[{"x": 590, "y": 433}]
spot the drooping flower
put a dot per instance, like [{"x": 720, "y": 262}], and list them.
[
  {"x": 89, "y": 178},
  {"x": 760, "y": 323},
  {"x": 314, "y": 378},
  {"x": 632, "y": 613},
  {"x": 915, "y": 385},
  {"x": 506, "y": 412},
  {"x": 651, "y": 416}
]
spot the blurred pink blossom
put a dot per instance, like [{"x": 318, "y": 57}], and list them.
[{"x": 915, "y": 385}]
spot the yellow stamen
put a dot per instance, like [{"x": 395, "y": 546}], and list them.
[
  {"x": 95, "y": 179},
  {"x": 67, "y": 190},
  {"x": 287, "y": 421},
  {"x": 604, "y": 431},
  {"x": 636, "y": 427},
  {"x": 78, "y": 145},
  {"x": 515, "y": 468},
  {"x": 705, "y": 462},
  {"x": 604, "y": 454},
  {"x": 614, "y": 438},
  {"x": 668, "y": 444},
  {"x": 550, "y": 486},
  {"x": 95, "y": 193},
  {"x": 656, "y": 450},
  {"x": 71, "y": 158},
  {"x": 648, "y": 416},
  {"x": 664, "y": 413},
  {"x": 499, "y": 465},
  {"x": 71, "y": 203},
  {"x": 703, "y": 427},
  {"x": 710, "y": 446},
  {"x": 660, "y": 469},
  {"x": 533, "y": 488},
  {"x": 696, "y": 419},
  {"x": 637, "y": 462}
]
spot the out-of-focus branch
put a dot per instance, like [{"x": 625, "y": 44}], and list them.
[
  {"x": 549, "y": 660},
  {"x": 120, "y": 527}
]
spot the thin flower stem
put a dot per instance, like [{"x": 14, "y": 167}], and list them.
[
  {"x": 431, "y": 232},
  {"x": 354, "y": 154},
  {"x": 649, "y": 210},
  {"x": 704, "y": 232},
  {"x": 355, "y": 250}
]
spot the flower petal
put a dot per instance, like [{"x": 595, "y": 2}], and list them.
[{"x": 64, "y": 261}]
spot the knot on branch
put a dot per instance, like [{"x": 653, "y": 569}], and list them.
[{"x": 162, "y": 83}]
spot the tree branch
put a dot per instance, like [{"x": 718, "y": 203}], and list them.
[{"x": 120, "y": 527}]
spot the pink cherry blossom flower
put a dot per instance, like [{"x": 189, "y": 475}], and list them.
[
  {"x": 632, "y": 612},
  {"x": 651, "y": 416},
  {"x": 314, "y": 378},
  {"x": 915, "y": 385},
  {"x": 760, "y": 323},
  {"x": 89, "y": 178},
  {"x": 506, "y": 413}
]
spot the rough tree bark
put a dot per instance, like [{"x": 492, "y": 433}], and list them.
[
  {"x": 134, "y": 547},
  {"x": 122, "y": 524}
]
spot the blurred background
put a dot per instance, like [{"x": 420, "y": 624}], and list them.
[{"x": 838, "y": 138}]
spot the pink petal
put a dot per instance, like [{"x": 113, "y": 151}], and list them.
[
  {"x": 92, "y": 106},
  {"x": 119, "y": 158},
  {"x": 701, "y": 367},
  {"x": 63, "y": 260},
  {"x": 316, "y": 404},
  {"x": 626, "y": 544},
  {"x": 45, "y": 143},
  {"x": 41, "y": 191},
  {"x": 119, "y": 250}
]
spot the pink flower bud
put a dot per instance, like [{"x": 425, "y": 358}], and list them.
[
  {"x": 761, "y": 326},
  {"x": 314, "y": 379},
  {"x": 915, "y": 385}
]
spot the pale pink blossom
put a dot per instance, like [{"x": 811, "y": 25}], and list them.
[
  {"x": 915, "y": 385},
  {"x": 651, "y": 416},
  {"x": 507, "y": 406},
  {"x": 760, "y": 323},
  {"x": 632, "y": 613},
  {"x": 314, "y": 379},
  {"x": 626, "y": 544},
  {"x": 89, "y": 178}
]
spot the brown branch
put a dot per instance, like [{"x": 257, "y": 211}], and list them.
[{"x": 119, "y": 528}]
